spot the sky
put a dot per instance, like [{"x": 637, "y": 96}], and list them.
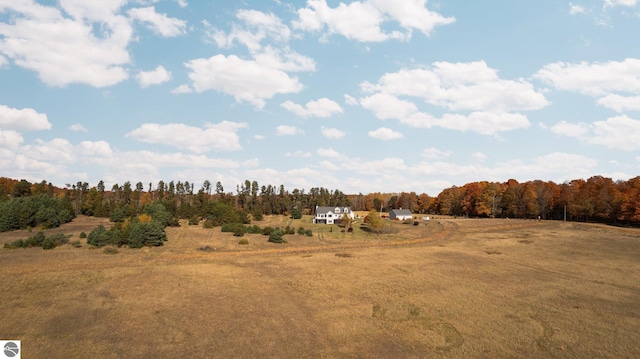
[{"x": 361, "y": 96}]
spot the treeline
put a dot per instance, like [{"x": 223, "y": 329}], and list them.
[
  {"x": 596, "y": 199},
  {"x": 34, "y": 211},
  {"x": 181, "y": 199}
]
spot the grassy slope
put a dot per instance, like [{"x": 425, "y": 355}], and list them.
[{"x": 452, "y": 288}]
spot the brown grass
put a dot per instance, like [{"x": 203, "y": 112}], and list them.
[{"x": 461, "y": 288}]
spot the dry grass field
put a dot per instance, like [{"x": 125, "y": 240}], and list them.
[{"x": 448, "y": 288}]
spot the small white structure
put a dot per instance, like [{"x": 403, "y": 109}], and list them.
[
  {"x": 332, "y": 215},
  {"x": 400, "y": 214}
]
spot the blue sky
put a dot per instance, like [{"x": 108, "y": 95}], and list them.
[{"x": 361, "y": 96}]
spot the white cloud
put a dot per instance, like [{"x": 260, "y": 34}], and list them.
[
  {"x": 620, "y": 132},
  {"x": 385, "y": 134},
  {"x": 221, "y": 137},
  {"x": 155, "y": 77},
  {"x": 620, "y": 103},
  {"x": 596, "y": 79},
  {"x": 299, "y": 154},
  {"x": 182, "y": 89},
  {"x": 64, "y": 50},
  {"x": 10, "y": 139},
  {"x": 95, "y": 149},
  {"x": 575, "y": 9},
  {"x": 433, "y": 152},
  {"x": 26, "y": 119},
  {"x": 262, "y": 76},
  {"x": 350, "y": 100},
  {"x": 259, "y": 137},
  {"x": 182, "y": 3},
  {"x": 461, "y": 86},
  {"x": 245, "y": 80},
  {"x": 57, "y": 150},
  {"x": 469, "y": 86},
  {"x": 3, "y": 61},
  {"x": 627, "y": 3},
  {"x": 364, "y": 20},
  {"x": 76, "y": 127},
  {"x": 332, "y": 133},
  {"x": 479, "y": 156},
  {"x": 161, "y": 24},
  {"x": 487, "y": 123},
  {"x": 328, "y": 152},
  {"x": 319, "y": 108},
  {"x": 284, "y": 130},
  {"x": 576, "y": 130},
  {"x": 259, "y": 27}
]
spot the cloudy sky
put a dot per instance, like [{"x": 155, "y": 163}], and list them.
[{"x": 361, "y": 96}]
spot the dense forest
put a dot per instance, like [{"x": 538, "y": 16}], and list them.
[{"x": 24, "y": 204}]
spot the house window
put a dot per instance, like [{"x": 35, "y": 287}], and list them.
[{"x": 337, "y": 210}]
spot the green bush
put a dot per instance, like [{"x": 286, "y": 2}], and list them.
[
  {"x": 194, "y": 221},
  {"x": 301, "y": 231},
  {"x": 48, "y": 244},
  {"x": 296, "y": 213},
  {"x": 308, "y": 232},
  {"x": 267, "y": 230},
  {"x": 209, "y": 223},
  {"x": 147, "y": 234},
  {"x": 110, "y": 250},
  {"x": 243, "y": 241},
  {"x": 83, "y": 235},
  {"x": 253, "y": 229},
  {"x": 100, "y": 237},
  {"x": 257, "y": 214},
  {"x": 59, "y": 239},
  {"x": 238, "y": 230},
  {"x": 76, "y": 244},
  {"x": 276, "y": 236}
]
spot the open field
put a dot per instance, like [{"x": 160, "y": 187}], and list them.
[{"x": 450, "y": 288}]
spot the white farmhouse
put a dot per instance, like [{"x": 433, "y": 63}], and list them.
[
  {"x": 400, "y": 214},
  {"x": 332, "y": 215}
]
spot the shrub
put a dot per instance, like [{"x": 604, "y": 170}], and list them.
[
  {"x": 267, "y": 230},
  {"x": 35, "y": 241},
  {"x": 238, "y": 230},
  {"x": 296, "y": 213},
  {"x": 276, "y": 236},
  {"x": 83, "y": 235},
  {"x": 257, "y": 214},
  {"x": 147, "y": 234},
  {"x": 243, "y": 241},
  {"x": 289, "y": 230},
  {"x": 48, "y": 244},
  {"x": 194, "y": 221},
  {"x": 76, "y": 244},
  {"x": 59, "y": 239},
  {"x": 253, "y": 229},
  {"x": 227, "y": 227},
  {"x": 100, "y": 237},
  {"x": 301, "y": 231},
  {"x": 209, "y": 223},
  {"x": 110, "y": 250},
  {"x": 15, "y": 244},
  {"x": 308, "y": 232}
]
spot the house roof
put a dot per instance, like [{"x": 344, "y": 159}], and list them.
[
  {"x": 321, "y": 210},
  {"x": 401, "y": 212}
]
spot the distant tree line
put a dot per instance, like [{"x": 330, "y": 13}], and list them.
[
  {"x": 598, "y": 199},
  {"x": 24, "y": 204}
]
